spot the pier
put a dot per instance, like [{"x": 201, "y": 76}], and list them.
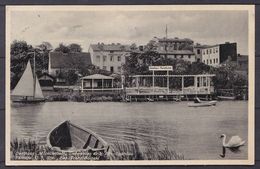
[{"x": 168, "y": 87}]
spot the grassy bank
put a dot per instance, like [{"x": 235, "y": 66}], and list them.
[{"x": 32, "y": 150}]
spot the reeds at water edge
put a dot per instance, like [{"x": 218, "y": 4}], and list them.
[{"x": 118, "y": 151}]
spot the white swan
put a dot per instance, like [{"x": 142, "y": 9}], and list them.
[{"x": 233, "y": 144}]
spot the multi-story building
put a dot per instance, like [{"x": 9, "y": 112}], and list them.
[
  {"x": 170, "y": 44},
  {"x": 186, "y": 55},
  {"x": 197, "y": 49},
  {"x": 218, "y": 54},
  {"x": 109, "y": 57},
  {"x": 175, "y": 48},
  {"x": 211, "y": 55}
]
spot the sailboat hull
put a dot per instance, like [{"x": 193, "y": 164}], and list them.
[{"x": 27, "y": 100}]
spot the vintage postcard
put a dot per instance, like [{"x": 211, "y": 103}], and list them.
[{"x": 130, "y": 85}]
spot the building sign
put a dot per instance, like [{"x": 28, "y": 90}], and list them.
[{"x": 160, "y": 68}]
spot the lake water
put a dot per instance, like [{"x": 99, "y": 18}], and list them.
[{"x": 193, "y": 132}]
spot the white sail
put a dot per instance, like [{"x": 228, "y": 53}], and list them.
[
  {"x": 25, "y": 85},
  {"x": 38, "y": 90}
]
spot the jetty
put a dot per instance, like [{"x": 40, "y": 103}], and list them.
[{"x": 169, "y": 87}]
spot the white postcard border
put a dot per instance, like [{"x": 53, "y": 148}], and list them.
[{"x": 251, "y": 81}]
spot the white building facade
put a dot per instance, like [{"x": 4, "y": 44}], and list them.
[
  {"x": 109, "y": 57},
  {"x": 211, "y": 55}
]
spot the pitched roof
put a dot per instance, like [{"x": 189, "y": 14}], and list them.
[
  {"x": 97, "y": 76},
  {"x": 45, "y": 76},
  {"x": 69, "y": 60},
  {"x": 110, "y": 47}
]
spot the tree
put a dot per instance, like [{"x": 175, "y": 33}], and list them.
[
  {"x": 133, "y": 46},
  {"x": 45, "y": 46},
  {"x": 21, "y": 53},
  {"x": 42, "y": 53},
  {"x": 71, "y": 77},
  {"x": 62, "y": 48},
  {"x": 19, "y": 58},
  {"x": 75, "y": 47}
]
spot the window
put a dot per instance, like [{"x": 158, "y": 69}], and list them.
[
  {"x": 204, "y": 61},
  {"x": 112, "y": 69},
  {"x": 119, "y": 68},
  {"x": 181, "y": 56},
  {"x": 175, "y": 56},
  {"x": 198, "y": 51},
  {"x": 207, "y": 61},
  {"x": 111, "y": 58},
  {"x": 119, "y": 58},
  {"x": 104, "y": 58},
  {"x": 98, "y": 58},
  {"x": 111, "y": 51},
  {"x": 98, "y": 67},
  {"x": 210, "y": 51},
  {"x": 210, "y": 61},
  {"x": 203, "y": 52},
  {"x": 213, "y": 50},
  {"x": 104, "y": 68},
  {"x": 216, "y": 50},
  {"x": 207, "y": 51},
  {"x": 189, "y": 56},
  {"x": 216, "y": 60}
]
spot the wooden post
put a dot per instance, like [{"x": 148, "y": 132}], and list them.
[
  {"x": 182, "y": 84},
  {"x": 82, "y": 84},
  {"x": 196, "y": 84},
  {"x": 153, "y": 81},
  {"x": 92, "y": 84},
  {"x": 112, "y": 84},
  {"x": 102, "y": 84},
  {"x": 168, "y": 85},
  {"x": 208, "y": 80},
  {"x": 137, "y": 83}
]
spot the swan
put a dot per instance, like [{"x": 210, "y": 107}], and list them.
[{"x": 233, "y": 144}]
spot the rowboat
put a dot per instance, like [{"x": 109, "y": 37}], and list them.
[
  {"x": 199, "y": 103},
  {"x": 227, "y": 97},
  {"x": 68, "y": 137}
]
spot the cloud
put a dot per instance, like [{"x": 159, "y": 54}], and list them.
[{"x": 86, "y": 27}]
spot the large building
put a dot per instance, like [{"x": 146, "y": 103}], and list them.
[
  {"x": 109, "y": 57},
  {"x": 186, "y": 55},
  {"x": 217, "y": 54},
  {"x": 175, "y": 48},
  {"x": 197, "y": 49},
  {"x": 173, "y": 43}
]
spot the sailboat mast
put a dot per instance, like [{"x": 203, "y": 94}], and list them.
[{"x": 34, "y": 75}]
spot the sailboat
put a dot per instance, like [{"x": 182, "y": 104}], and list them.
[{"x": 28, "y": 89}]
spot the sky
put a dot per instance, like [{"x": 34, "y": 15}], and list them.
[{"x": 127, "y": 27}]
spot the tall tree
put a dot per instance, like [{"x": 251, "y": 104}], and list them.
[
  {"x": 42, "y": 52},
  {"x": 75, "y": 47},
  {"x": 19, "y": 58},
  {"x": 62, "y": 48}
]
